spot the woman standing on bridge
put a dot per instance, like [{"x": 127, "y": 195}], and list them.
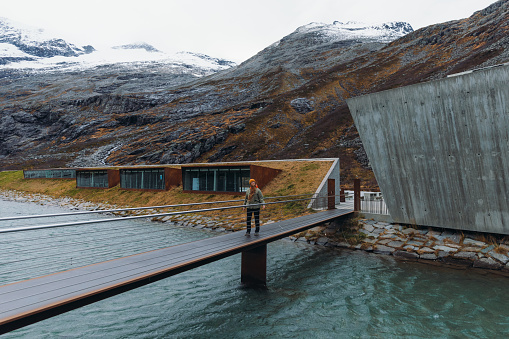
[{"x": 254, "y": 198}]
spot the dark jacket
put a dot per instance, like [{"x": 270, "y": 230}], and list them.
[{"x": 256, "y": 199}]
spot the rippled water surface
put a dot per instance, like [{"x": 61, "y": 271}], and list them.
[{"x": 313, "y": 292}]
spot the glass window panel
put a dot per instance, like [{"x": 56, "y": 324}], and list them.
[
  {"x": 210, "y": 181},
  {"x": 50, "y": 174},
  {"x": 83, "y": 179},
  {"x": 220, "y": 179},
  {"x": 230, "y": 181}
]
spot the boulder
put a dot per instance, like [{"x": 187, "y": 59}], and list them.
[
  {"x": 405, "y": 254},
  {"x": 395, "y": 243},
  {"x": 321, "y": 241},
  {"x": 471, "y": 242},
  {"x": 380, "y": 249},
  {"x": 302, "y": 105},
  {"x": 445, "y": 248},
  {"x": 428, "y": 256},
  {"x": 453, "y": 260},
  {"x": 368, "y": 228},
  {"x": 499, "y": 256},
  {"x": 465, "y": 255},
  {"x": 488, "y": 263}
]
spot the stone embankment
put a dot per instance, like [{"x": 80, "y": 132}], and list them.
[{"x": 427, "y": 245}]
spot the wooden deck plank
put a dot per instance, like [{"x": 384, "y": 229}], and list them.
[
  {"x": 167, "y": 255},
  {"x": 39, "y": 298},
  {"x": 175, "y": 251}
]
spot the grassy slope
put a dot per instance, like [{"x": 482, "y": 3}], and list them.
[{"x": 296, "y": 178}]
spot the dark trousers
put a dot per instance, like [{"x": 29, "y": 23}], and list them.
[{"x": 256, "y": 213}]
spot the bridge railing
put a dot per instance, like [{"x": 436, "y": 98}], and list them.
[
  {"x": 38, "y": 249},
  {"x": 323, "y": 202},
  {"x": 374, "y": 206}
]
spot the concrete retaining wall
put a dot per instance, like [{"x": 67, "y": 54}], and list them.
[
  {"x": 333, "y": 173},
  {"x": 440, "y": 150}
]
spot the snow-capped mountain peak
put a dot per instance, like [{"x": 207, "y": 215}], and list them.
[
  {"x": 384, "y": 32},
  {"x": 17, "y": 31},
  {"x": 34, "y": 42},
  {"x": 25, "y": 47}
]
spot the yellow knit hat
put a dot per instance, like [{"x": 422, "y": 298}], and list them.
[{"x": 251, "y": 180}]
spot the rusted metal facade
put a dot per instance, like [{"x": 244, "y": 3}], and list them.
[{"x": 263, "y": 175}]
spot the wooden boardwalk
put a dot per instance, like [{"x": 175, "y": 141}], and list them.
[{"x": 33, "y": 300}]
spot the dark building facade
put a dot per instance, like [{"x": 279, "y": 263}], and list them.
[
  {"x": 224, "y": 178},
  {"x": 150, "y": 178},
  {"x": 97, "y": 178}
]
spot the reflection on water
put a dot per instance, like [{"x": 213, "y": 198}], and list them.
[{"x": 312, "y": 292}]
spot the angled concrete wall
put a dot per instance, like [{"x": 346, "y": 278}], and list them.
[
  {"x": 440, "y": 150},
  {"x": 322, "y": 191}
]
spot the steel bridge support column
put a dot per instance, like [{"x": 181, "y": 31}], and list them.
[
  {"x": 331, "y": 193},
  {"x": 254, "y": 266},
  {"x": 357, "y": 195}
]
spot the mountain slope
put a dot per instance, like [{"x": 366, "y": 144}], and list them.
[{"x": 288, "y": 101}]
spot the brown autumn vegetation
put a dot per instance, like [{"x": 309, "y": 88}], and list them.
[{"x": 296, "y": 178}]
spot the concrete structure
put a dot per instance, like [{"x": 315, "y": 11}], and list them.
[
  {"x": 440, "y": 150},
  {"x": 322, "y": 192}
]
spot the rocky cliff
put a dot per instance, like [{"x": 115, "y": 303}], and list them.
[{"x": 288, "y": 101}]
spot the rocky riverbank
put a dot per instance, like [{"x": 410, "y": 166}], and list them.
[
  {"x": 228, "y": 223},
  {"x": 65, "y": 202},
  {"x": 430, "y": 245}
]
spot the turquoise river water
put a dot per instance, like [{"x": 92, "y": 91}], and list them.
[{"x": 313, "y": 292}]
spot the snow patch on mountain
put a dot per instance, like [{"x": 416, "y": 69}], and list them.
[
  {"x": 24, "y": 47},
  {"x": 182, "y": 62},
  {"x": 16, "y": 31},
  {"x": 337, "y": 31},
  {"x": 138, "y": 45},
  {"x": 8, "y": 50},
  {"x": 35, "y": 42},
  {"x": 27, "y": 48}
]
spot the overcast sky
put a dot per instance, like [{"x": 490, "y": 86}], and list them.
[{"x": 231, "y": 29}]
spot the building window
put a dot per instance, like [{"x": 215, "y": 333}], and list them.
[
  {"x": 92, "y": 179},
  {"x": 216, "y": 179},
  {"x": 151, "y": 179},
  {"x": 50, "y": 174}
]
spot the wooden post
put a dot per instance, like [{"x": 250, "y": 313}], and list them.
[
  {"x": 254, "y": 267},
  {"x": 357, "y": 195},
  {"x": 331, "y": 193},
  {"x": 342, "y": 195}
]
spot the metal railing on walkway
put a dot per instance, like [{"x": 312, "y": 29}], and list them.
[
  {"x": 30, "y": 301},
  {"x": 375, "y": 206},
  {"x": 58, "y": 250}
]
